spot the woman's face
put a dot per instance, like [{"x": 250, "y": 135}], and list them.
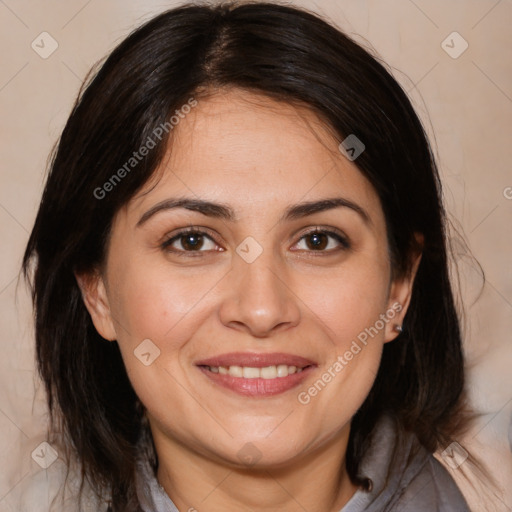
[{"x": 286, "y": 266}]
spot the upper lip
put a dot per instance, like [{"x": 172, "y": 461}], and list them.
[{"x": 256, "y": 360}]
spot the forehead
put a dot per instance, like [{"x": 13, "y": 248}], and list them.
[{"x": 254, "y": 152}]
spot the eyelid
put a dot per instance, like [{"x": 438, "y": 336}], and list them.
[
  {"x": 336, "y": 233},
  {"x": 172, "y": 237}
]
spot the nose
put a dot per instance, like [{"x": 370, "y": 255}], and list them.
[{"x": 257, "y": 299}]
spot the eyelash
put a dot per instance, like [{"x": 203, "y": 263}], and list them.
[{"x": 341, "y": 239}]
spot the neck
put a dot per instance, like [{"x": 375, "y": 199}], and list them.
[{"x": 317, "y": 481}]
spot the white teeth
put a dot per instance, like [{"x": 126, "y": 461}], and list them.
[
  {"x": 282, "y": 370},
  {"x": 236, "y": 371},
  {"x": 269, "y": 372},
  {"x": 249, "y": 372}
]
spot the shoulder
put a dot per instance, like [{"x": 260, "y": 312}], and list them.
[
  {"x": 432, "y": 490},
  {"x": 405, "y": 477}
]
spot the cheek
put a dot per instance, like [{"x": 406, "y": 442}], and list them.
[
  {"x": 349, "y": 304},
  {"x": 151, "y": 300},
  {"x": 153, "y": 303},
  {"x": 349, "y": 299},
  {"x": 157, "y": 325}
]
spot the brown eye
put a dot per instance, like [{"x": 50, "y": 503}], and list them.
[
  {"x": 317, "y": 241},
  {"x": 323, "y": 241},
  {"x": 190, "y": 241}
]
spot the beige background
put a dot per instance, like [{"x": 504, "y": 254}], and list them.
[{"x": 465, "y": 102}]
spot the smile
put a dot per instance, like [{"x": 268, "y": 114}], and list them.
[{"x": 256, "y": 374}]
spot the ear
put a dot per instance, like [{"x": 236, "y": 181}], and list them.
[
  {"x": 401, "y": 291},
  {"x": 94, "y": 295}
]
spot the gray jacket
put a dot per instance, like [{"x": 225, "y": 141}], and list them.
[{"x": 404, "y": 478}]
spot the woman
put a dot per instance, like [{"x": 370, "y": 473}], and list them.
[{"x": 240, "y": 275}]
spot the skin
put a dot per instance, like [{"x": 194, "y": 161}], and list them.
[{"x": 259, "y": 157}]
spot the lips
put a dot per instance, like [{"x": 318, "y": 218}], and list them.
[{"x": 257, "y": 375}]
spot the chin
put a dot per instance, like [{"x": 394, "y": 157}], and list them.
[{"x": 260, "y": 452}]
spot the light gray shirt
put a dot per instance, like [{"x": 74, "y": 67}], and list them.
[{"x": 404, "y": 478}]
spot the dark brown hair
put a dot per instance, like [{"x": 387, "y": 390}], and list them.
[{"x": 289, "y": 55}]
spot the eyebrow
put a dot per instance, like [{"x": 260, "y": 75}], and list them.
[
  {"x": 309, "y": 208},
  {"x": 225, "y": 212},
  {"x": 216, "y": 210}
]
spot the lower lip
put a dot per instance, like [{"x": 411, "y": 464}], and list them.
[{"x": 258, "y": 387}]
